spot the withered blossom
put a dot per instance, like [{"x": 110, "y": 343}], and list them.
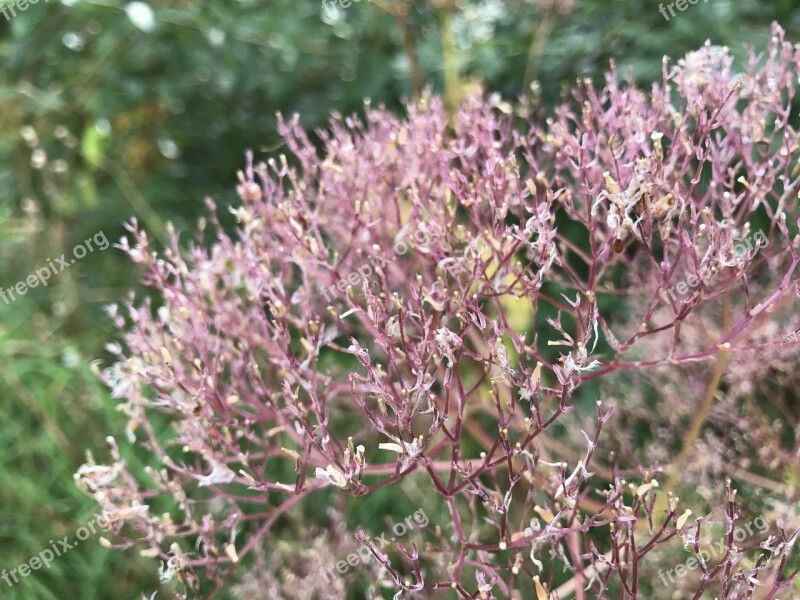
[{"x": 466, "y": 365}]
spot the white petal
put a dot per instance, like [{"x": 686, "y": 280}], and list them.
[{"x": 392, "y": 447}]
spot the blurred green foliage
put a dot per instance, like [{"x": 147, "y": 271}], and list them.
[{"x": 111, "y": 111}]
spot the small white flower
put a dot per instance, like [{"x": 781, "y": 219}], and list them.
[
  {"x": 94, "y": 477},
  {"x": 38, "y": 158},
  {"x": 576, "y": 361},
  {"x": 220, "y": 473},
  {"x": 448, "y": 343},
  {"x": 28, "y": 134},
  {"x": 410, "y": 449},
  {"x": 167, "y": 570},
  {"x": 579, "y": 470},
  {"x": 332, "y": 475}
]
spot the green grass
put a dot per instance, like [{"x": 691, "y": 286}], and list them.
[{"x": 52, "y": 408}]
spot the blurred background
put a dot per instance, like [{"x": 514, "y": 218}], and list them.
[{"x": 112, "y": 111}]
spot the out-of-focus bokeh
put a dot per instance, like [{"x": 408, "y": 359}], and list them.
[{"x": 113, "y": 111}]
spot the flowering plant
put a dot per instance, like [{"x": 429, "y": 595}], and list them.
[{"x": 484, "y": 365}]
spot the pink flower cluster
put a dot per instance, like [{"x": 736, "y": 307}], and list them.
[{"x": 552, "y": 241}]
